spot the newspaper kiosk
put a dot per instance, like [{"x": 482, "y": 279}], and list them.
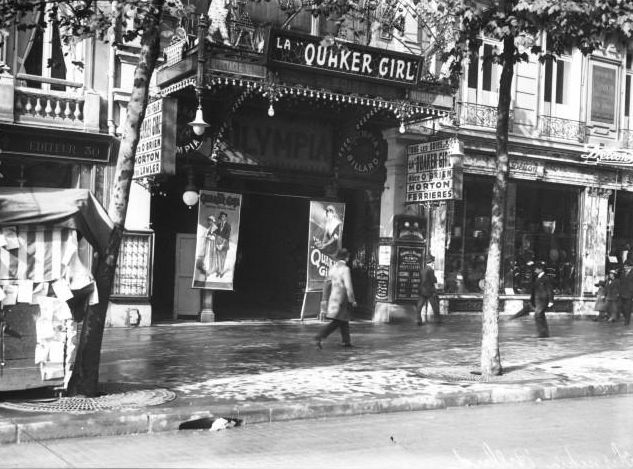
[{"x": 45, "y": 287}]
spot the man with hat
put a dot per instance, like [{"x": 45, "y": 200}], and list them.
[
  {"x": 428, "y": 294},
  {"x": 612, "y": 295},
  {"x": 626, "y": 293},
  {"x": 541, "y": 298}
]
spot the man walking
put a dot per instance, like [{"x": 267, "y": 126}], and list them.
[
  {"x": 626, "y": 293},
  {"x": 428, "y": 294},
  {"x": 541, "y": 298}
]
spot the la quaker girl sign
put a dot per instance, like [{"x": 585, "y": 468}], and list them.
[{"x": 303, "y": 51}]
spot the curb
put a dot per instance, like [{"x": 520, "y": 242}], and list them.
[{"x": 60, "y": 426}]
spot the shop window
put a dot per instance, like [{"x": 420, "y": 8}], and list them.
[
  {"x": 466, "y": 255},
  {"x": 541, "y": 231}
]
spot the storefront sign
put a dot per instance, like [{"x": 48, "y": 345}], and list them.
[
  {"x": 603, "y": 95},
  {"x": 216, "y": 246},
  {"x": 609, "y": 156},
  {"x": 408, "y": 261},
  {"x": 57, "y": 144},
  {"x": 277, "y": 143},
  {"x": 324, "y": 239},
  {"x": 309, "y": 52},
  {"x": 430, "y": 172},
  {"x": 156, "y": 150}
]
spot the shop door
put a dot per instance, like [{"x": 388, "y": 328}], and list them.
[{"x": 186, "y": 299}]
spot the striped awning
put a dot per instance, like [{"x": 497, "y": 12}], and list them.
[{"x": 36, "y": 252}]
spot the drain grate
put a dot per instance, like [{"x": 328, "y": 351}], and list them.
[{"x": 85, "y": 405}]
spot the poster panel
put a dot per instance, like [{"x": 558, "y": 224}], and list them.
[
  {"x": 217, "y": 237},
  {"x": 324, "y": 239}
]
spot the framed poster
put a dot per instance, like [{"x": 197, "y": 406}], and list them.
[
  {"x": 603, "y": 93},
  {"x": 324, "y": 239},
  {"x": 217, "y": 237},
  {"x": 407, "y": 275}
]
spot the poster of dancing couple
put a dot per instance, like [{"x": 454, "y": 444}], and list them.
[{"x": 217, "y": 237}]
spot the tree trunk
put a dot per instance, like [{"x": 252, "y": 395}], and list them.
[
  {"x": 85, "y": 374},
  {"x": 490, "y": 356}
]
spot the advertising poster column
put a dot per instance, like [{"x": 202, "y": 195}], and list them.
[
  {"x": 217, "y": 237},
  {"x": 324, "y": 239}
]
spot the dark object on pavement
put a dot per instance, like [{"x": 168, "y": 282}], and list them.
[{"x": 210, "y": 423}]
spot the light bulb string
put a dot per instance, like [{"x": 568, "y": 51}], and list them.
[{"x": 404, "y": 111}]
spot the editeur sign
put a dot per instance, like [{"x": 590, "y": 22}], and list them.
[
  {"x": 156, "y": 150},
  {"x": 430, "y": 173}
]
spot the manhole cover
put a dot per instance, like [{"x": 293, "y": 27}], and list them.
[{"x": 84, "y": 405}]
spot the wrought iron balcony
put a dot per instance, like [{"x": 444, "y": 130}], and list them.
[
  {"x": 626, "y": 138},
  {"x": 566, "y": 129},
  {"x": 480, "y": 115}
]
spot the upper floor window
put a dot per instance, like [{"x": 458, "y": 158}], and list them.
[
  {"x": 556, "y": 81},
  {"x": 627, "y": 84},
  {"x": 42, "y": 53},
  {"x": 488, "y": 69}
]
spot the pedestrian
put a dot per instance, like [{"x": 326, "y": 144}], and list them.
[
  {"x": 601, "y": 301},
  {"x": 338, "y": 299},
  {"x": 626, "y": 293},
  {"x": 428, "y": 293},
  {"x": 612, "y": 292},
  {"x": 541, "y": 298}
]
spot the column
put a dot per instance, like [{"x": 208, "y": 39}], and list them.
[
  {"x": 592, "y": 241},
  {"x": 392, "y": 203}
]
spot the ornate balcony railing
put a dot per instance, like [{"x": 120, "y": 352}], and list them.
[
  {"x": 626, "y": 138},
  {"x": 566, "y": 129},
  {"x": 480, "y": 115},
  {"x": 47, "y": 106}
]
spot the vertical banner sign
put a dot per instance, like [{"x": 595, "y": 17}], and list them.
[
  {"x": 156, "y": 150},
  {"x": 325, "y": 236},
  {"x": 430, "y": 173},
  {"x": 216, "y": 245}
]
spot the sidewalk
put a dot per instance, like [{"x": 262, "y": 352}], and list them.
[{"x": 266, "y": 371}]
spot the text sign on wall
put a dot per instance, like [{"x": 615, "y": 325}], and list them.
[
  {"x": 430, "y": 173},
  {"x": 298, "y": 144},
  {"x": 309, "y": 52},
  {"x": 156, "y": 150},
  {"x": 603, "y": 95}
]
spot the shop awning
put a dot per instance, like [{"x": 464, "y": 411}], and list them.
[{"x": 69, "y": 208}]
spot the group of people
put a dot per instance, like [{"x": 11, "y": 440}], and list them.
[
  {"x": 615, "y": 295},
  {"x": 338, "y": 297}
]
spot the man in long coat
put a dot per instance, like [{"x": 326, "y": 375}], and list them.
[
  {"x": 626, "y": 293},
  {"x": 338, "y": 299},
  {"x": 542, "y": 297},
  {"x": 428, "y": 295}
]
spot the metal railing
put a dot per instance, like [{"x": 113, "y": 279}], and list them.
[
  {"x": 480, "y": 115},
  {"x": 566, "y": 129}
]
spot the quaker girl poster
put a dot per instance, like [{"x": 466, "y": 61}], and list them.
[
  {"x": 325, "y": 237},
  {"x": 217, "y": 237}
]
